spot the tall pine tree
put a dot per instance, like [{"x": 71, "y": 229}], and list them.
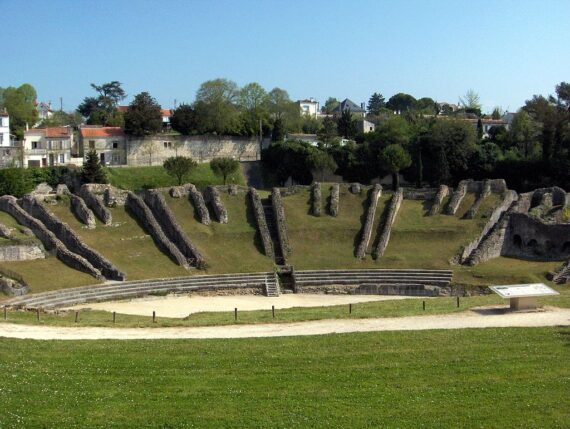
[{"x": 92, "y": 171}]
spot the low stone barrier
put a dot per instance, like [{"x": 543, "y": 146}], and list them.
[
  {"x": 10, "y": 205},
  {"x": 442, "y": 192},
  {"x": 141, "y": 211},
  {"x": 335, "y": 200},
  {"x": 558, "y": 196},
  {"x": 232, "y": 189},
  {"x": 12, "y": 287},
  {"x": 261, "y": 222},
  {"x": 213, "y": 197},
  {"x": 420, "y": 194},
  {"x": 456, "y": 198},
  {"x": 81, "y": 211},
  {"x": 281, "y": 224},
  {"x": 5, "y": 232},
  {"x": 162, "y": 213},
  {"x": 199, "y": 204},
  {"x": 355, "y": 188},
  {"x": 375, "y": 194},
  {"x": 68, "y": 237},
  {"x": 485, "y": 192},
  {"x": 21, "y": 252},
  {"x": 562, "y": 274},
  {"x": 316, "y": 199},
  {"x": 490, "y": 242},
  {"x": 96, "y": 205},
  {"x": 393, "y": 209}
]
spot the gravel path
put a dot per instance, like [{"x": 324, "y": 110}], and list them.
[{"x": 486, "y": 318}]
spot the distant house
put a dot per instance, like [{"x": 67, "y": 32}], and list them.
[
  {"x": 309, "y": 107},
  {"x": 488, "y": 124},
  {"x": 10, "y": 151},
  {"x": 351, "y": 106},
  {"x": 43, "y": 147},
  {"x": 5, "y": 129},
  {"x": 365, "y": 126},
  {"x": 108, "y": 142}
]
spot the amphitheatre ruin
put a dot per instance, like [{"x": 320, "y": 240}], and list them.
[{"x": 332, "y": 238}]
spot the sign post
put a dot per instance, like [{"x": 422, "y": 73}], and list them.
[{"x": 524, "y": 296}]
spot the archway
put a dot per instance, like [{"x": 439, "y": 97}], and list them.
[{"x": 517, "y": 241}]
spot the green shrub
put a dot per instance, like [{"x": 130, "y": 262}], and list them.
[{"x": 15, "y": 181}]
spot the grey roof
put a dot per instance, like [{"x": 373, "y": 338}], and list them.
[{"x": 350, "y": 105}]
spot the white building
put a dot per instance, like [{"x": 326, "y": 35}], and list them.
[
  {"x": 5, "y": 130},
  {"x": 309, "y": 107},
  {"x": 108, "y": 142},
  {"x": 45, "y": 147}
]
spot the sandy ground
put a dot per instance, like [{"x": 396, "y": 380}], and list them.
[
  {"x": 485, "y": 318},
  {"x": 182, "y": 306}
]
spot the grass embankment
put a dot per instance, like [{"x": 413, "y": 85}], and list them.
[
  {"x": 135, "y": 178},
  {"x": 508, "y": 378},
  {"x": 377, "y": 309},
  {"x": 228, "y": 248}
]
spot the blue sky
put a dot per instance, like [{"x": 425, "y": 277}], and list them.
[{"x": 504, "y": 50}]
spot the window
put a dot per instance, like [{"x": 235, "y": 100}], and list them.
[
  {"x": 167, "y": 145},
  {"x": 34, "y": 145},
  {"x": 91, "y": 144},
  {"x": 62, "y": 158},
  {"x": 115, "y": 145}
]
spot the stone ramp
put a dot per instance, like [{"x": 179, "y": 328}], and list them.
[{"x": 265, "y": 281}]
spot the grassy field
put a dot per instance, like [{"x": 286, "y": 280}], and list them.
[
  {"x": 134, "y": 178},
  {"x": 485, "y": 378},
  {"x": 231, "y": 247}
]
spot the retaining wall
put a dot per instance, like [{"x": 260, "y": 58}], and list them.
[
  {"x": 162, "y": 213},
  {"x": 213, "y": 197},
  {"x": 375, "y": 194},
  {"x": 442, "y": 192},
  {"x": 316, "y": 199},
  {"x": 456, "y": 198},
  {"x": 141, "y": 211},
  {"x": 393, "y": 209},
  {"x": 485, "y": 192},
  {"x": 81, "y": 211},
  {"x": 96, "y": 205},
  {"x": 21, "y": 252},
  {"x": 261, "y": 222},
  {"x": 199, "y": 204},
  {"x": 335, "y": 200},
  {"x": 281, "y": 224}
]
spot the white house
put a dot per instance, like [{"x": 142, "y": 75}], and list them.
[
  {"x": 45, "y": 147},
  {"x": 309, "y": 107},
  {"x": 365, "y": 126},
  {"x": 5, "y": 130},
  {"x": 108, "y": 142}
]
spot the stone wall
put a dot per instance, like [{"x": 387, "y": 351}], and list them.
[
  {"x": 261, "y": 222},
  {"x": 154, "y": 150},
  {"x": 498, "y": 186},
  {"x": 95, "y": 204},
  {"x": 81, "y": 211},
  {"x": 489, "y": 243},
  {"x": 530, "y": 238},
  {"x": 212, "y": 196},
  {"x": 393, "y": 209},
  {"x": 12, "y": 287},
  {"x": 562, "y": 273},
  {"x": 68, "y": 237},
  {"x": 316, "y": 199},
  {"x": 5, "y": 232},
  {"x": 232, "y": 189},
  {"x": 375, "y": 194},
  {"x": 484, "y": 193},
  {"x": 335, "y": 200},
  {"x": 442, "y": 192},
  {"x": 280, "y": 222},
  {"x": 558, "y": 196},
  {"x": 199, "y": 204},
  {"x": 21, "y": 252},
  {"x": 162, "y": 213},
  {"x": 456, "y": 198},
  {"x": 10, "y": 205},
  {"x": 421, "y": 194},
  {"x": 141, "y": 211}
]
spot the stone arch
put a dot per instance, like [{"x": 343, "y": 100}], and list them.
[
  {"x": 517, "y": 241},
  {"x": 532, "y": 243}
]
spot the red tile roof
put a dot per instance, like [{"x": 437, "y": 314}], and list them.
[
  {"x": 102, "y": 132},
  {"x": 54, "y": 132}
]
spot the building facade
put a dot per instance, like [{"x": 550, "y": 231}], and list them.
[
  {"x": 309, "y": 107},
  {"x": 108, "y": 142},
  {"x": 47, "y": 147}
]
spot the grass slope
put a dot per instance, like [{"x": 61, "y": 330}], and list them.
[
  {"x": 486, "y": 378},
  {"x": 231, "y": 247},
  {"x": 134, "y": 178}
]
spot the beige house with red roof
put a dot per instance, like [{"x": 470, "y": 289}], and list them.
[
  {"x": 108, "y": 142},
  {"x": 47, "y": 147}
]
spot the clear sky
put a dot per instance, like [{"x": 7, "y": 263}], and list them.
[{"x": 505, "y": 50}]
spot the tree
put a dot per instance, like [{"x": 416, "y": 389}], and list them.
[
  {"x": 427, "y": 105},
  {"x": 224, "y": 167},
  {"x": 479, "y": 129},
  {"x": 330, "y": 105},
  {"x": 102, "y": 110},
  {"x": 401, "y": 102},
  {"x": 470, "y": 101},
  {"x": 497, "y": 113},
  {"x": 278, "y": 133},
  {"x": 328, "y": 133},
  {"x": 375, "y": 104},
  {"x": 252, "y": 101},
  {"x": 321, "y": 163},
  {"x": 15, "y": 181},
  {"x": 20, "y": 104},
  {"x": 93, "y": 171},
  {"x": 395, "y": 158},
  {"x": 523, "y": 133},
  {"x": 346, "y": 125},
  {"x": 60, "y": 119},
  {"x": 183, "y": 119},
  {"x": 143, "y": 117},
  {"x": 215, "y": 107},
  {"x": 179, "y": 167},
  {"x": 281, "y": 107},
  {"x": 394, "y": 130}
]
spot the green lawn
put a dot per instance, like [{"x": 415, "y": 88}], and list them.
[
  {"x": 230, "y": 247},
  {"x": 134, "y": 178},
  {"x": 480, "y": 378}
]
